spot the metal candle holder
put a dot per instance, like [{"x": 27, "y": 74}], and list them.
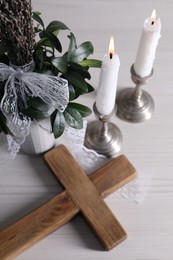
[
  {"x": 134, "y": 104},
  {"x": 103, "y": 136}
]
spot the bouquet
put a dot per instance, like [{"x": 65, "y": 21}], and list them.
[{"x": 37, "y": 78}]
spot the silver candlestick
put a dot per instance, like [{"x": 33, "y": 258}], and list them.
[
  {"x": 103, "y": 136},
  {"x": 134, "y": 104}
]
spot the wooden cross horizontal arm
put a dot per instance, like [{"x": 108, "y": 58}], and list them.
[{"x": 56, "y": 212}]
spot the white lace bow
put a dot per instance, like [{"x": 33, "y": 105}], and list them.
[{"x": 22, "y": 83}]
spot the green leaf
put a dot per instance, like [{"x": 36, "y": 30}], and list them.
[
  {"x": 72, "y": 45},
  {"x": 3, "y": 125},
  {"x": 54, "y": 40},
  {"x": 39, "y": 53},
  {"x": 58, "y": 123},
  {"x": 91, "y": 63},
  {"x": 73, "y": 118},
  {"x": 55, "y": 26},
  {"x": 82, "y": 52},
  {"x": 48, "y": 64},
  {"x": 72, "y": 93},
  {"x": 44, "y": 42},
  {"x": 79, "y": 92},
  {"x": 76, "y": 80},
  {"x": 42, "y": 34},
  {"x": 83, "y": 110},
  {"x": 82, "y": 70},
  {"x": 36, "y": 17},
  {"x": 38, "y": 109},
  {"x": 61, "y": 63},
  {"x": 38, "y": 103},
  {"x": 37, "y": 114},
  {"x": 37, "y": 12},
  {"x": 39, "y": 58},
  {"x": 90, "y": 88}
]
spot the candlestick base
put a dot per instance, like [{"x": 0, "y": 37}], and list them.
[
  {"x": 134, "y": 104},
  {"x": 134, "y": 110},
  {"x": 102, "y": 136}
]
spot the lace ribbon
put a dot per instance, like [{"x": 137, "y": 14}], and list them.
[
  {"x": 89, "y": 160},
  {"x": 21, "y": 84}
]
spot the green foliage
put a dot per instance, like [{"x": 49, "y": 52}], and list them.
[
  {"x": 78, "y": 54},
  {"x": 3, "y": 127},
  {"x": 73, "y": 65},
  {"x": 83, "y": 110},
  {"x": 38, "y": 109},
  {"x": 91, "y": 63},
  {"x": 61, "y": 63},
  {"x": 58, "y": 123},
  {"x": 73, "y": 118},
  {"x": 36, "y": 17},
  {"x": 56, "y": 26}
]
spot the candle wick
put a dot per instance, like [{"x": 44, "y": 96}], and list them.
[
  {"x": 152, "y": 22},
  {"x": 111, "y": 55}
]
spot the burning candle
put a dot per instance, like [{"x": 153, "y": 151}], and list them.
[
  {"x": 106, "y": 93},
  {"x": 147, "y": 46}
]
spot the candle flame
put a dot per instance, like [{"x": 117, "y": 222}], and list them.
[
  {"x": 111, "y": 46},
  {"x": 153, "y": 15}
]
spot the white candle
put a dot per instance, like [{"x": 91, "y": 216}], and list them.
[
  {"x": 147, "y": 46},
  {"x": 106, "y": 93}
]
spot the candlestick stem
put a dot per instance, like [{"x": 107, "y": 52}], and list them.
[
  {"x": 103, "y": 129},
  {"x": 103, "y": 136},
  {"x": 134, "y": 104},
  {"x": 137, "y": 92}
]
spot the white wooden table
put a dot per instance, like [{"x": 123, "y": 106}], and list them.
[{"x": 26, "y": 182}]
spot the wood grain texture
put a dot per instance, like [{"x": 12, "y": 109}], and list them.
[
  {"x": 86, "y": 197},
  {"x": 60, "y": 209}
]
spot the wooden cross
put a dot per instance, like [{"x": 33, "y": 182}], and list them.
[{"x": 83, "y": 194}]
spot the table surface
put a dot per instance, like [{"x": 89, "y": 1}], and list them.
[{"x": 26, "y": 182}]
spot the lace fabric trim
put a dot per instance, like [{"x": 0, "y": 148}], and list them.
[
  {"x": 89, "y": 160},
  {"x": 8, "y": 148},
  {"x": 20, "y": 85}
]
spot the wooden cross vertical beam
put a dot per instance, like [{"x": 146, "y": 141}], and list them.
[{"x": 86, "y": 197}]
